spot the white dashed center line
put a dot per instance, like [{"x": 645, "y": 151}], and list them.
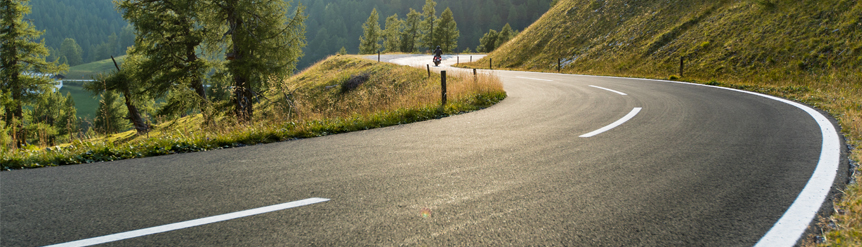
[
  {"x": 190, "y": 223},
  {"x": 615, "y": 91},
  {"x": 628, "y": 117}
]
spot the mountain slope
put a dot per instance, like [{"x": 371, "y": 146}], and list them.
[{"x": 720, "y": 39}]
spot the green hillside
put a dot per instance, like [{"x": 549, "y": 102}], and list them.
[
  {"x": 90, "y": 70},
  {"x": 810, "y": 51}
]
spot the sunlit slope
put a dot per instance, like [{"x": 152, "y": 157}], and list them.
[{"x": 719, "y": 39}]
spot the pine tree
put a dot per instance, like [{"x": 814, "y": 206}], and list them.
[
  {"x": 126, "y": 82},
  {"x": 263, "y": 44},
  {"x": 488, "y": 42},
  {"x": 447, "y": 34},
  {"x": 21, "y": 55},
  {"x": 411, "y": 31},
  {"x": 342, "y": 51},
  {"x": 392, "y": 34},
  {"x": 110, "y": 117},
  {"x": 171, "y": 34},
  {"x": 54, "y": 115},
  {"x": 505, "y": 35},
  {"x": 72, "y": 51},
  {"x": 429, "y": 23},
  {"x": 369, "y": 42}
]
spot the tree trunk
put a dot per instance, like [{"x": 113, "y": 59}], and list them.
[
  {"x": 242, "y": 92},
  {"x": 17, "y": 116},
  {"x": 134, "y": 116}
]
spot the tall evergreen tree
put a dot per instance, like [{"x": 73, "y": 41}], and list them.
[
  {"x": 110, "y": 117},
  {"x": 488, "y": 42},
  {"x": 447, "y": 32},
  {"x": 369, "y": 42},
  {"x": 505, "y": 35},
  {"x": 392, "y": 34},
  {"x": 411, "y": 31},
  {"x": 262, "y": 44},
  {"x": 170, "y": 35},
  {"x": 22, "y": 56},
  {"x": 429, "y": 23},
  {"x": 54, "y": 115},
  {"x": 72, "y": 52},
  {"x": 126, "y": 82}
]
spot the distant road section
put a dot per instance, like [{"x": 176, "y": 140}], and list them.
[{"x": 692, "y": 166}]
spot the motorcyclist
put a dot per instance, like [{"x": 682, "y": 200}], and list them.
[{"x": 438, "y": 52}]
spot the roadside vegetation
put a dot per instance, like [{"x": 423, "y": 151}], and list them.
[
  {"x": 339, "y": 94},
  {"x": 808, "y": 51}
]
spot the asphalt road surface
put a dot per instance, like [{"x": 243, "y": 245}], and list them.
[{"x": 693, "y": 166}]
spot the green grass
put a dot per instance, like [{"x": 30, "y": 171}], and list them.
[
  {"x": 85, "y": 103},
  {"x": 90, "y": 70},
  {"x": 808, "y": 51}
]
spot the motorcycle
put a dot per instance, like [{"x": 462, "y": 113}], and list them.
[{"x": 437, "y": 60}]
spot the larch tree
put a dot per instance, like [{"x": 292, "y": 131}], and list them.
[
  {"x": 392, "y": 34},
  {"x": 262, "y": 42},
  {"x": 429, "y": 22},
  {"x": 128, "y": 83},
  {"x": 447, "y": 32},
  {"x": 23, "y": 69},
  {"x": 504, "y": 36},
  {"x": 169, "y": 36},
  {"x": 369, "y": 42},
  {"x": 487, "y": 42},
  {"x": 72, "y": 51},
  {"x": 411, "y": 31}
]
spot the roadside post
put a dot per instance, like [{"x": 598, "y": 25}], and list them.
[
  {"x": 443, "y": 85},
  {"x": 681, "y": 65}
]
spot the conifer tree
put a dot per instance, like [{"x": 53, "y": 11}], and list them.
[
  {"x": 392, "y": 34},
  {"x": 72, "y": 51},
  {"x": 447, "y": 34},
  {"x": 369, "y": 42},
  {"x": 110, "y": 117},
  {"x": 262, "y": 42},
  {"x": 505, "y": 35},
  {"x": 488, "y": 41},
  {"x": 429, "y": 23},
  {"x": 167, "y": 53},
  {"x": 22, "y": 58},
  {"x": 411, "y": 31}
]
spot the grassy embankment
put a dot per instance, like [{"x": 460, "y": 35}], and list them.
[
  {"x": 339, "y": 94},
  {"x": 809, "y": 51}
]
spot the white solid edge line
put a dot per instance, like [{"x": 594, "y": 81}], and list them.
[
  {"x": 190, "y": 223},
  {"x": 528, "y": 78},
  {"x": 615, "y": 91},
  {"x": 614, "y": 124},
  {"x": 790, "y": 227}
]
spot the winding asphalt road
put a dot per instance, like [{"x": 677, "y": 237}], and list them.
[{"x": 694, "y": 166}]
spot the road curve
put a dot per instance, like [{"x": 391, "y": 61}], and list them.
[{"x": 694, "y": 166}]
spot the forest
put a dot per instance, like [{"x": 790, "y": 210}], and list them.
[{"x": 100, "y": 31}]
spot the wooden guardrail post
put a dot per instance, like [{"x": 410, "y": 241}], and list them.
[
  {"x": 681, "y": 65},
  {"x": 428, "y": 66},
  {"x": 443, "y": 85},
  {"x": 490, "y": 63}
]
